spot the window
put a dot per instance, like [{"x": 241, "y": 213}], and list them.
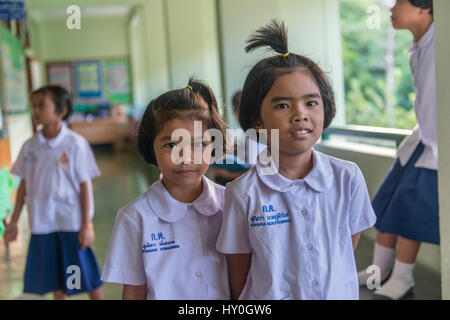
[{"x": 379, "y": 88}]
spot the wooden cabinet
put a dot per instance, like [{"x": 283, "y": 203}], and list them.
[{"x": 114, "y": 131}]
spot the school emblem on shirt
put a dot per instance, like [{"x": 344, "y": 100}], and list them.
[
  {"x": 158, "y": 242},
  {"x": 270, "y": 217},
  {"x": 63, "y": 160}
]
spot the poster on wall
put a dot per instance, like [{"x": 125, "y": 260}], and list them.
[
  {"x": 117, "y": 80},
  {"x": 14, "y": 73},
  {"x": 88, "y": 79},
  {"x": 60, "y": 74}
]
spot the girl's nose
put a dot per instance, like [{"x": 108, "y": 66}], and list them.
[
  {"x": 300, "y": 116},
  {"x": 187, "y": 157}
]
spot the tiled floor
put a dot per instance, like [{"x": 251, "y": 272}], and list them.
[{"x": 124, "y": 177}]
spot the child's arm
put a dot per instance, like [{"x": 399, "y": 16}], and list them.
[
  {"x": 355, "y": 240},
  {"x": 238, "y": 268},
  {"x": 134, "y": 292},
  {"x": 86, "y": 235},
  {"x": 362, "y": 216},
  {"x": 11, "y": 228}
]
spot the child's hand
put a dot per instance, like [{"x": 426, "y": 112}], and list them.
[
  {"x": 86, "y": 235},
  {"x": 11, "y": 232}
]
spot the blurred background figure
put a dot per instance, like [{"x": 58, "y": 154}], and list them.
[{"x": 235, "y": 165}]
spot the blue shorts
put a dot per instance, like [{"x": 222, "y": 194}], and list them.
[
  {"x": 55, "y": 262},
  {"x": 407, "y": 202}
]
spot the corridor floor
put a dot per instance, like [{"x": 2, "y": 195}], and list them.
[{"x": 124, "y": 177}]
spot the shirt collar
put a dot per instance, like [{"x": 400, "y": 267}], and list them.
[
  {"x": 169, "y": 209},
  {"x": 425, "y": 40},
  {"x": 320, "y": 178},
  {"x": 56, "y": 141}
]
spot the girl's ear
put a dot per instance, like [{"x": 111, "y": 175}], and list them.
[
  {"x": 424, "y": 11},
  {"x": 64, "y": 112},
  {"x": 258, "y": 125}
]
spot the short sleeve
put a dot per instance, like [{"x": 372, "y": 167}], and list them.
[
  {"x": 124, "y": 263},
  {"x": 85, "y": 165},
  {"x": 18, "y": 168},
  {"x": 362, "y": 215},
  {"x": 233, "y": 236}
]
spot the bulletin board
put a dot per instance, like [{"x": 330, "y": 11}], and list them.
[
  {"x": 88, "y": 79},
  {"x": 60, "y": 73},
  {"x": 14, "y": 76},
  {"x": 117, "y": 80}
]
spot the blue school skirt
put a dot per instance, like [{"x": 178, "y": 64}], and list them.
[
  {"x": 407, "y": 202},
  {"x": 55, "y": 262}
]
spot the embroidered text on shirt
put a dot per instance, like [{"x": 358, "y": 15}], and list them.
[
  {"x": 159, "y": 244},
  {"x": 270, "y": 219}
]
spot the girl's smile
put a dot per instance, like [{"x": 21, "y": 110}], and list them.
[{"x": 301, "y": 132}]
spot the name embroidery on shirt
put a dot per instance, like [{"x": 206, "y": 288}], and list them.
[
  {"x": 158, "y": 243},
  {"x": 271, "y": 217}
]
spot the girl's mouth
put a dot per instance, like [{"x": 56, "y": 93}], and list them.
[
  {"x": 301, "y": 133},
  {"x": 186, "y": 173}
]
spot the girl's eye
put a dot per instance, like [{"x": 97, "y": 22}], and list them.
[
  {"x": 170, "y": 145},
  {"x": 312, "y": 104},
  {"x": 282, "y": 106}
]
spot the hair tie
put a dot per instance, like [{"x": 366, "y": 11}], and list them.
[
  {"x": 286, "y": 54},
  {"x": 189, "y": 87}
]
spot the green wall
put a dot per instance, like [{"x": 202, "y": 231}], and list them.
[
  {"x": 193, "y": 42},
  {"x": 442, "y": 48},
  {"x": 98, "y": 37}
]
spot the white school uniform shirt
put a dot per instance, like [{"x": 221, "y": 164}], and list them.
[
  {"x": 170, "y": 245},
  {"x": 252, "y": 150},
  {"x": 298, "y": 231},
  {"x": 53, "y": 170},
  {"x": 423, "y": 66}
]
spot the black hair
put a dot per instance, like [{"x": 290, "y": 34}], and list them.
[
  {"x": 196, "y": 101},
  {"x": 236, "y": 100},
  {"x": 424, "y": 4},
  {"x": 60, "y": 97},
  {"x": 263, "y": 75}
]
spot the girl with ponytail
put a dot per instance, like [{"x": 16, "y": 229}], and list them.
[
  {"x": 163, "y": 243},
  {"x": 291, "y": 235}
]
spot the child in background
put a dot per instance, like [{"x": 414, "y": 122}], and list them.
[
  {"x": 163, "y": 243},
  {"x": 407, "y": 202},
  {"x": 56, "y": 167},
  {"x": 224, "y": 172},
  {"x": 292, "y": 235},
  {"x": 252, "y": 148}
]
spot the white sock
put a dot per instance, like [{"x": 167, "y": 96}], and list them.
[
  {"x": 400, "y": 283},
  {"x": 383, "y": 257}
]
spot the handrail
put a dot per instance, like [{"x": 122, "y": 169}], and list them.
[{"x": 396, "y": 135}]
